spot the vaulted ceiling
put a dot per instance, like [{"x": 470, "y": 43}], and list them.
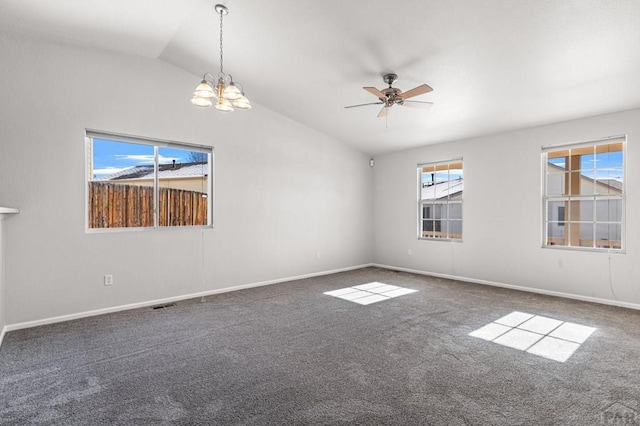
[{"x": 495, "y": 65}]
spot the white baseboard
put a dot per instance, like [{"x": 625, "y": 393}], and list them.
[
  {"x": 2, "y": 333},
  {"x": 516, "y": 287},
  {"x": 62, "y": 318}
]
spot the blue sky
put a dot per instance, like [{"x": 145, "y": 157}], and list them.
[
  {"x": 607, "y": 165},
  {"x": 111, "y": 157},
  {"x": 442, "y": 176}
]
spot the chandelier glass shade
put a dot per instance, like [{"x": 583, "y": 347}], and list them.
[{"x": 224, "y": 93}]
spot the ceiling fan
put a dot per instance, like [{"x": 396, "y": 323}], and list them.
[{"x": 392, "y": 95}]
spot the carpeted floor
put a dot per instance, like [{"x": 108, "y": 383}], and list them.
[{"x": 288, "y": 354}]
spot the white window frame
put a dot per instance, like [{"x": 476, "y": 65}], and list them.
[
  {"x": 156, "y": 144},
  {"x": 548, "y": 199},
  {"x": 446, "y": 203}
]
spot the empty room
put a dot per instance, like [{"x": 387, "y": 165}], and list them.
[{"x": 233, "y": 212}]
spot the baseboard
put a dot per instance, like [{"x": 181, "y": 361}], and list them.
[
  {"x": 62, "y": 318},
  {"x": 3, "y": 331},
  {"x": 28, "y": 324},
  {"x": 515, "y": 287}
]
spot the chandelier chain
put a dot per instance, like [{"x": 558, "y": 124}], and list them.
[{"x": 221, "y": 75}]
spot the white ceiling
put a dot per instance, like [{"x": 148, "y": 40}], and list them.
[{"x": 495, "y": 65}]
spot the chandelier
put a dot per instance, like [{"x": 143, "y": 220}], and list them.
[{"x": 225, "y": 93}]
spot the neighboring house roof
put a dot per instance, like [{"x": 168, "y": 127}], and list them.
[
  {"x": 446, "y": 189},
  {"x": 614, "y": 184},
  {"x": 165, "y": 171},
  {"x": 129, "y": 173},
  {"x": 184, "y": 170},
  {"x": 441, "y": 190}
]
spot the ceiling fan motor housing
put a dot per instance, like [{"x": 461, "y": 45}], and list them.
[{"x": 392, "y": 94}]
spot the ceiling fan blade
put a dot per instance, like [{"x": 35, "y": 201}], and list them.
[
  {"x": 383, "y": 112},
  {"x": 422, "y": 89},
  {"x": 418, "y": 104},
  {"x": 359, "y": 105},
  {"x": 375, "y": 92}
]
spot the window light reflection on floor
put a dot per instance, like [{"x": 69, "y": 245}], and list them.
[
  {"x": 546, "y": 337},
  {"x": 366, "y": 294}
]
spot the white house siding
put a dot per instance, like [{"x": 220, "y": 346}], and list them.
[{"x": 605, "y": 211}]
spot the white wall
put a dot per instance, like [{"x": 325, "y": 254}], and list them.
[
  {"x": 283, "y": 192},
  {"x": 504, "y": 245},
  {"x": 2, "y": 298}
]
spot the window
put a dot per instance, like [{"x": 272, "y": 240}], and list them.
[
  {"x": 440, "y": 194},
  {"x": 584, "y": 195},
  {"x": 144, "y": 183},
  {"x": 560, "y": 215}
]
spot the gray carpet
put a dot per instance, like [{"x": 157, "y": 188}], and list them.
[{"x": 287, "y": 354}]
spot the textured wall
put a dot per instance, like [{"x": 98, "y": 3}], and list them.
[
  {"x": 502, "y": 240},
  {"x": 2, "y": 297},
  {"x": 283, "y": 193}
]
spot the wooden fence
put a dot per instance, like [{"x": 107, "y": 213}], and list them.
[
  {"x": 583, "y": 242},
  {"x": 114, "y": 205}
]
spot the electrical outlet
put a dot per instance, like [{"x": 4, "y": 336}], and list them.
[
  {"x": 409, "y": 252},
  {"x": 318, "y": 254},
  {"x": 108, "y": 279}
]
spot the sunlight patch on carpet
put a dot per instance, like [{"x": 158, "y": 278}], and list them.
[
  {"x": 366, "y": 294},
  {"x": 546, "y": 337}
]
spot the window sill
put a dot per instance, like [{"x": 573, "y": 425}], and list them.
[
  {"x": 7, "y": 211},
  {"x": 586, "y": 249}
]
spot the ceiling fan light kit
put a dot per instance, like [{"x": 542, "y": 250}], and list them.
[
  {"x": 224, "y": 91},
  {"x": 393, "y": 96}
]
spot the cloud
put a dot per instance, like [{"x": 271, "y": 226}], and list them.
[
  {"x": 162, "y": 159},
  {"x": 139, "y": 158},
  {"x": 108, "y": 170},
  {"x": 146, "y": 158}
]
